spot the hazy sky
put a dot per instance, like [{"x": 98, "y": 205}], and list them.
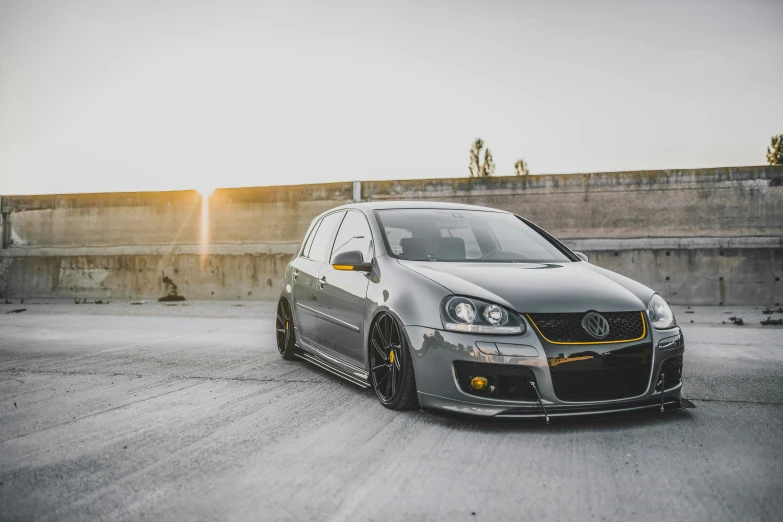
[{"x": 157, "y": 95}]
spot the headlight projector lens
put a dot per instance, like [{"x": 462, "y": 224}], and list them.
[
  {"x": 465, "y": 311},
  {"x": 495, "y": 314}
]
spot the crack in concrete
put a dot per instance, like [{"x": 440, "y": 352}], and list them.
[
  {"x": 136, "y": 375},
  {"x": 200, "y": 379},
  {"x": 100, "y": 412}
]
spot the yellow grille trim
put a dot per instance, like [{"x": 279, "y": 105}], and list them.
[{"x": 644, "y": 334}]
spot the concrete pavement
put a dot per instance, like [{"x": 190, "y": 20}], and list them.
[{"x": 150, "y": 412}]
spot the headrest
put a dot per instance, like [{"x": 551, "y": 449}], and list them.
[
  {"x": 450, "y": 249},
  {"x": 412, "y": 248}
]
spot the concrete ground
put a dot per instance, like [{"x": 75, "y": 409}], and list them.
[{"x": 126, "y": 412}]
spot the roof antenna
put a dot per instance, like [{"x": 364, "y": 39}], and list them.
[{"x": 540, "y": 402}]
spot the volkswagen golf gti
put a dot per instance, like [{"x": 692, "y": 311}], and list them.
[{"x": 477, "y": 311}]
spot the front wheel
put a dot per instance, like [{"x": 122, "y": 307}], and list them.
[
  {"x": 284, "y": 325},
  {"x": 391, "y": 368}
]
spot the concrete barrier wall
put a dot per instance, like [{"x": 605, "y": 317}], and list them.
[
  {"x": 704, "y": 236},
  {"x": 726, "y": 202}
]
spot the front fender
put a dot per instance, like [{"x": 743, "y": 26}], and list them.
[{"x": 410, "y": 297}]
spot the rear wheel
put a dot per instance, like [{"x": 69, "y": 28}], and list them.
[
  {"x": 391, "y": 368},
  {"x": 284, "y": 325}
]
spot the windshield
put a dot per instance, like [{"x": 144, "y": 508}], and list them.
[{"x": 465, "y": 236}]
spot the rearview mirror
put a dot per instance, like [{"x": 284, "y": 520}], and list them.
[
  {"x": 351, "y": 260},
  {"x": 581, "y": 256}
]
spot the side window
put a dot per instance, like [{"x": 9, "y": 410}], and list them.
[
  {"x": 308, "y": 244},
  {"x": 322, "y": 244},
  {"x": 354, "y": 234}
]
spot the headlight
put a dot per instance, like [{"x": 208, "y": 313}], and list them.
[
  {"x": 661, "y": 316},
  {"x": 461, "y": 314}
]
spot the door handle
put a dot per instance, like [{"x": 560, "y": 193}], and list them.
[
  {"x": 296, "y": 273},
  {"x": 322, "y": 281}
]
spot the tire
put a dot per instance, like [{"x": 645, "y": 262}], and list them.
[
  {"x": 285, "y": 332},
  {"x": 391, "y": 366}
]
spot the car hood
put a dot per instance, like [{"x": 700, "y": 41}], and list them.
[{"x": 539, "y": 287}]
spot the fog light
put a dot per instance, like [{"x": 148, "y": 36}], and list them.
[{"x": 479, "y": 383}]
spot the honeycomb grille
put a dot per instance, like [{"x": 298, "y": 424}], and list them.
[
  {"x": 620, "y": 374},
  {"x": 567, "y": 328},
  {"x": 672, "y": 372}
]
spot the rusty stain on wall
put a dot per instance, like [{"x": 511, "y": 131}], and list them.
[{"x": 172, "y": 293}]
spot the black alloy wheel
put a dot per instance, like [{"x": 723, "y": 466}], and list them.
[
  {"x": 284, "y": 325},
  {"x": 390, "y": 365}
]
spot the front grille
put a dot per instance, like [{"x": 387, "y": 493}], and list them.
[
  {"x": 591, "y": 376},
  {"x": 672, "y": 372},
  {"x": 505, "y": 381},
  {"x": 567, "y": 328}
]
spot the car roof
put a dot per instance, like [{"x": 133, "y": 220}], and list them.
[{"x": 382, "y": 205}]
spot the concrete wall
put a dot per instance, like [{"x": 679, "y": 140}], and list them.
[{"x": 704, "y": 236}]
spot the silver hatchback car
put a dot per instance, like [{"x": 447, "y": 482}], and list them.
[{"x": 474, "y": 311}]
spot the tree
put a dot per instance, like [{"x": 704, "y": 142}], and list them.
[
  {"x": 775, "y": 150},
  {"x": 475, "y": 157},
  {"x": 477, "y": 168},
  {"x": 521, "y": 168},
  {"x": 488, "y": 168}
]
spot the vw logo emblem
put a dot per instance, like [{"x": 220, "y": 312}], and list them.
[{"x": 596, "y": 325}]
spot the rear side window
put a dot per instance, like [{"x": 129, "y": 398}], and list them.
[
  {"x": 308, "y": 244},
  {"x": 322, "y": 244},
  {"x": 354, "y": 234}
]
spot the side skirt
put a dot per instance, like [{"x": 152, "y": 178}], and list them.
[{"x": 323, "y": 364}]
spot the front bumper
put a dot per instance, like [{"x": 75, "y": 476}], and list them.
[{"x": 434, "y": 353}]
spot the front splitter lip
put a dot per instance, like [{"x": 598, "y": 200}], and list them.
[{"x": 672, "y": 401}]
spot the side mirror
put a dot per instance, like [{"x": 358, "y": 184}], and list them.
[
  {"x": 351, "y": 260},
  {"x": 581, "y": 256}
]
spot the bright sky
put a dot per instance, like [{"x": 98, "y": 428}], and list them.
[{"x": 131, "y": 95}]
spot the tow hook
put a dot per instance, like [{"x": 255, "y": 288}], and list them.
[
  {"x": 662, "y": 382},
  {"x": 540, "y": 402}
]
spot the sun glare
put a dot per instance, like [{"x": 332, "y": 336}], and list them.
[{"x": 205, "y": 191}]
